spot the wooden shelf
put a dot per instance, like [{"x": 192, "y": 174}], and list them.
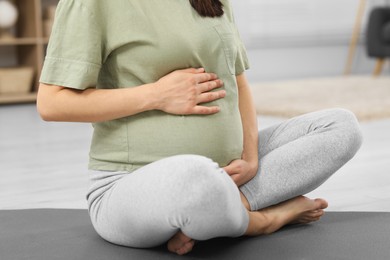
[
  {"x": 18, "y": 98},
  {"x": 28, "y": 46},
  {"x": 44, "y": 40},
  {"x": 19, "y": 41}
]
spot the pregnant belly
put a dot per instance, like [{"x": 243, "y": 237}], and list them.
[{"x": 155, "y": 135}]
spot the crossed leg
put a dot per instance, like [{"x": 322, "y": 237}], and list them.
[
  {"x": 192, "y": 198},
  {"x": 298, "y": 210},
  {"x": 296, "y": 156}
]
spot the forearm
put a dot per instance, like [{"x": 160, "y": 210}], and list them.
[
  {"x": 57, "y": 103},
  {"x": 180, "y": 92},
  {"x": 249, "y": 122}
]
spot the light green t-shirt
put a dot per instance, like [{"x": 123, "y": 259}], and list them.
[{"x": 127, "y": 43}]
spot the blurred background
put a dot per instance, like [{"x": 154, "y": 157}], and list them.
[
  {"x": 289, "y": 39},
  {"x": 305, "y": 55}
]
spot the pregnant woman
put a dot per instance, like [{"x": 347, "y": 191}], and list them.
[{"x": 176, "y": 155}]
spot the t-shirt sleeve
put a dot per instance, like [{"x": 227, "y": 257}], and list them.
[
  {"x": 75, "y": 51},
  {"x": 242, "y": 62}
]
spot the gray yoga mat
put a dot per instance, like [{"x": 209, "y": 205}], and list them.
[{"x": 66, "y": 234}]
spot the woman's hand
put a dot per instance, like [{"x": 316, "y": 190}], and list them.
[
  {"x": 241, "y": 171},
  {"x": 179, "y": 92},
  {"x": 182, "y": 91}
]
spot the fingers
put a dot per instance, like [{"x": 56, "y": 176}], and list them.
[
  {"x": 206, "y": 95},
  {"x": 201, "y": 74},
  {"x": 196, "y": 86},
  {"x": 193, "y": 70},
  {"x": 202, "y": 110},
  {"x": 209, "y": 85},
  {"x": 230, "y": 169},
  {"x": 205, "y": 83},
  {"x": 205, "y": 77},
  {"x": 236, "y": 170},
  {"x": 210, "y": 96},
  {"x": 236, "y": 178},
  {"x": 234, "y": 167}
]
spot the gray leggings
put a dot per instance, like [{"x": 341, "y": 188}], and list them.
[{"x": 192, "y": 194}]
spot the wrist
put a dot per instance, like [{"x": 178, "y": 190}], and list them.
[
  {"x": 151, "y": 97},
  {"x": 253, "y": 164}
]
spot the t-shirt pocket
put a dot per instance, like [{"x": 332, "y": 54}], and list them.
[{"x": 227, "y": 36}]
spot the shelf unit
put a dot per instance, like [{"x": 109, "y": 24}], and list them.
[{"x": 28, "y": 48}]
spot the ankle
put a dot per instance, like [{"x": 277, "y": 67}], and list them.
[{"x": 260, "y": 223}]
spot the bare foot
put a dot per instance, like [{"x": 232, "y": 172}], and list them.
[
  {"x": 180, "y": 244},
  {"x": 294, "y": 211},
  {"x": 265, "y": 221}
]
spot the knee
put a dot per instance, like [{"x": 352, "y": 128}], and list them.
[
  {"x": 199, "y": 170},
  {"x": 349, "y": 131},
  {"x": 192, "y": 168},
  {"x": 209, "y": 199},
  {"x": 203, "y": 178},
  {"x": 211, "y": 196}
]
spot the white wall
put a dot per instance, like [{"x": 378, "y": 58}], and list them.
[
  {"x": 274, "y": 23},
  {"x": 301, "y": 38}
]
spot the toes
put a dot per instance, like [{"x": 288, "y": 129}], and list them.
[
  {"x": 322, "y": 204},
  {"x": 313, "y": 216},
  {"x": 315, "y": 213},
  {"x": 180, "y": 244},
  {"x": 186, "y": 248},
  {"x": 310, "y": 216},
  {"x": 306, "y": 220},
  {"x": 176, "y": 242}
]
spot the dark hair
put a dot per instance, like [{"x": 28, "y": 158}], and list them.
[{"x": 208, "y": 8}]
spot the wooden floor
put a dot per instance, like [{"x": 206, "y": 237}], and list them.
[{"x": 43, "y": 165}]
